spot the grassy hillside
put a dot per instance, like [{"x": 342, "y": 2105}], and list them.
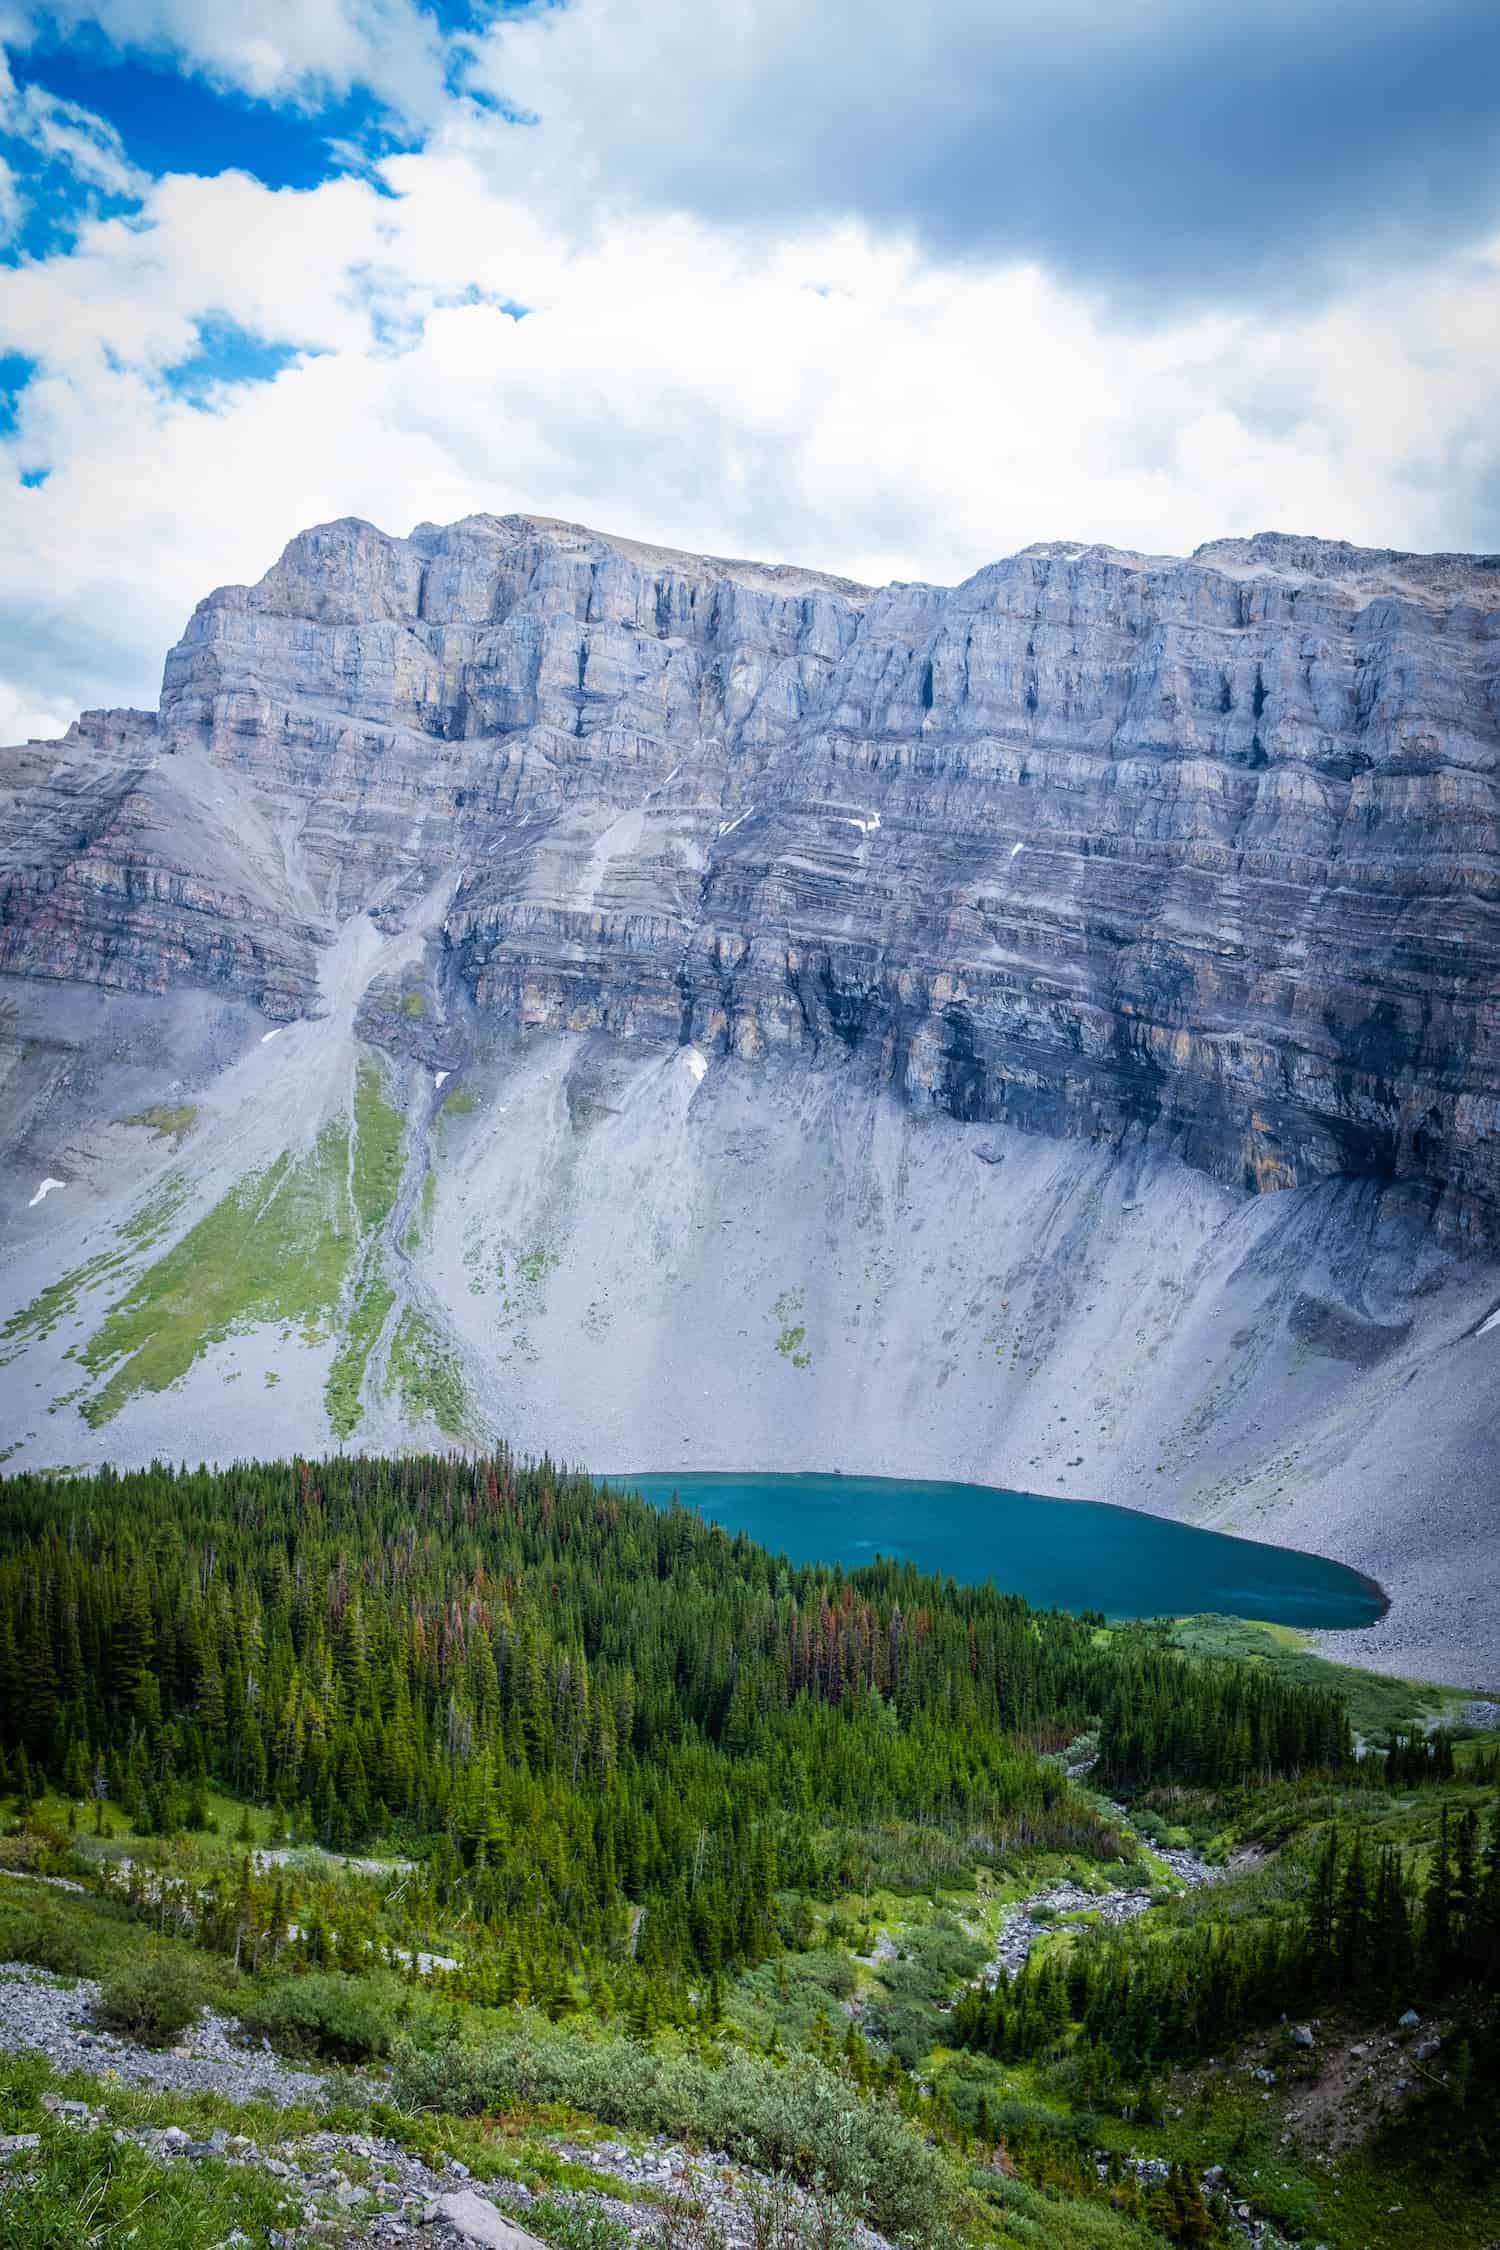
[{"x": 550, "y": 1825}]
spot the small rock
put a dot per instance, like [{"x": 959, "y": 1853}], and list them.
[
  {"x": 1409, "y": 2021},
  {"x": 1425, "y": 2049},
  {"x": 1302, "y": 2036}
]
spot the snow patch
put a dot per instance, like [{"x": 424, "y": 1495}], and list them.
[
  {"x": 270, "y": 1035},
  {"x": 865, "y": 827},
  {"x": 729, "y": 826},
  {"x": 697, "y": 1064},
  {"x": 439, "y": 1077},
  {"x": 1014, "y": 849},
  {"x": 49, "y": 1184},
  {"x": 1482, "y": 1330}
]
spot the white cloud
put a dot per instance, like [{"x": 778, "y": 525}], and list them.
[
  {"x": 301, "y": 51},
  {"x": 59, "y": 132},
  {"x": 12, "y": 203},
  {"x": 827, "y": 395}
]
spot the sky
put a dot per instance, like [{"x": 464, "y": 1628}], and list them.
[{"x": 888, "y": 290}]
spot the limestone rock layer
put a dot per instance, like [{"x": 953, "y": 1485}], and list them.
[{"x": 1200, "y": 854}]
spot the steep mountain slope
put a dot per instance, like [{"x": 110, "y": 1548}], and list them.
[{"x": 691, "y": 1010}]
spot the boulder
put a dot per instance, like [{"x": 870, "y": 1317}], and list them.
[{"x": 478, "y": 2221}]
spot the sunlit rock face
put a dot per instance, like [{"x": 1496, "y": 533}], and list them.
[{"x": 1203, "y": 852}]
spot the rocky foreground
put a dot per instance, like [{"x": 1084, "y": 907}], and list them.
[{"x": 363, "y": 2185}]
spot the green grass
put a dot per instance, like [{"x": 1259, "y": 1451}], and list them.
[
  {"x": 168, "y": 1124},
  {"x": 85, "y": 2188},
  {"x": 275, "y": 1248},
  {"x": 373, "y": 1300},
  {"x": 378, "y": 1152},
  {"x": 1379, "y": 1703},
  {"x": 68, "y": 1935},
  {"x": 791, "y": 1339},
  {"x": 278, "y": 1248},
  {"x": 791, "y": 1344},
  {"x": 419, "y": 1226},
  {"x": 427, "y": 1375},
  {"x": 141, "y": 1231},
  {"x": 460, "y": 1103},
  {"x": 414, "y": 1004}
]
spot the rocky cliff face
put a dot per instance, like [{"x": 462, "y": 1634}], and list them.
[
  {"x": 1096, "y": 844},
  {"x": 945, "y": 976}
]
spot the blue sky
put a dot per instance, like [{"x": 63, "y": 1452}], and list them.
[{"x": 891, "y": 290}]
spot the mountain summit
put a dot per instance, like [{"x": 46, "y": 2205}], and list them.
[{"x": 524, "y": 977}]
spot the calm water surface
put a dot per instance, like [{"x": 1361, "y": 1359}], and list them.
[{"x": 1061, "y": 1554}]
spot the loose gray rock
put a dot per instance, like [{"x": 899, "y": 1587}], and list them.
[{"x": 478, "y": 2221}]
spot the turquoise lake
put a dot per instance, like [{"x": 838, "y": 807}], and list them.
[{"x": 1061, "y": 1554}]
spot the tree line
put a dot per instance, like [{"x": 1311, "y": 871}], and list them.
[
  {"x": 611, "y": 1727},
  {"x": 1375, "y": 1929}
]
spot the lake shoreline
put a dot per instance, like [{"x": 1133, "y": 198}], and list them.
[{"x": 978, "y": 1534}]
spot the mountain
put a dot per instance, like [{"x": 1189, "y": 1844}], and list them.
[{"x": 686, "y": 1011}]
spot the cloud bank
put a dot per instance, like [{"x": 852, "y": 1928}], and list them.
[{"x": 888, "y": 292}]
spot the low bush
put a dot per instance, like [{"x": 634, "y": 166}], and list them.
[
  {"x": 574, "y": 2225},
  {"x": 799, "y": 2118},
  {"x": 44, "y": 1939},
  {"x": 340, "y": 2018},
  {"x": 156, "y": 1996}
]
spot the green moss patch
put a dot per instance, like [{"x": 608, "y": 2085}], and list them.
[
  {"x": 280, "y": 1247},
  {"x": 428, "y": 1376},
  {"x": 168, "y": 1124}
]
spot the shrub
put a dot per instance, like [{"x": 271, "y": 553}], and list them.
[
  {"x": 575, "y": 2225},
  {"x": 155, "y": 1997},
  {"x": 801, "y": 2119},
  {"x": 44, "y": 1939},
  {"x": 342, "y": 2018}
]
